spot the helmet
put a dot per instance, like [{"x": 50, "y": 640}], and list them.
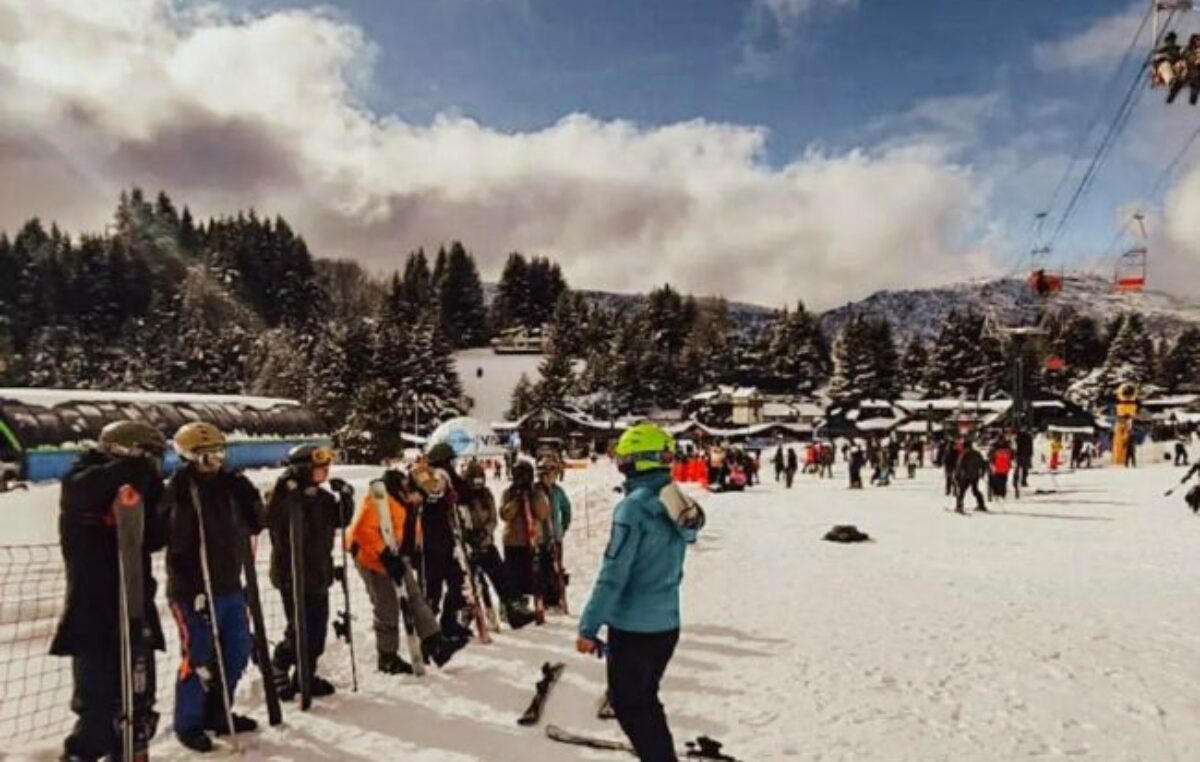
[
  {"x": 132, "y": 438},
  {"x": 441, "y": 454},
  {"x": 548, "y": 463},
  {"x": 309, "y": 455},
  {"x": 430, "y": 482},
  {"x": 198, "y": 438},
  {"x": 475, "y": 475},
  {"x": 1170, "y": 37},
  {"x": 644, "y": 447}
]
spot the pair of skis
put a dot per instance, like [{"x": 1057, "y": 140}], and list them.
[
  {"x": 471, "y": 588},
  {"x": 136, "y": 720},
  {"x": 702, "y": 748}
]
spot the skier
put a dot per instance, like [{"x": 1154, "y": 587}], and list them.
[
  {"x": 481, "y": 541},
  {"x": 779, "y": 463},
  {"x": 1193, "y": 495},
  {"x": 912, "y": 459},
  {"x": 967, "y": 473},
  {"x": 1001, "y": 463},
  {"x": 127, "y": 453},
  {"x": 1024, "y": 460},
  {"x": 1164, "y": 62},
  {"x": 554, "y": 530},
  {"x": 857, "y": 460},
  {"x": 636, "y": 593},
  {"x": 826, "y": 460},
  {"x": 1187, "y": 71},
  {"x": 308, "y": 467},
  {"x": 1131, "y": 450},
  {"x": 382, "y": 567},
  {"x": 518, "y": 556},
  {"x": 444, "y": 577},
  {"x": 793, "y": 465},
  {"x": 230, "y": 504},
  {"x": 1181, "y": 453}
]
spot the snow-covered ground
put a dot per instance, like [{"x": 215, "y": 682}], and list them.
[
  {"x": 493, "y": 390},
  {"x": 1065, "y": 624}
]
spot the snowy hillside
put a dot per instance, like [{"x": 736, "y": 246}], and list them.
[
  {"x": 489, "y": 379},
  {"x": 922, "y": 312}
]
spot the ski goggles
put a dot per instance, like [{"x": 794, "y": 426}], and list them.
[
  {"x": 212, "y": 458},
  {"x": 645, "y": 461}
]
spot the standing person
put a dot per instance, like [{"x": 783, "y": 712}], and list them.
[
  {"x": 857, "y": 461},
  {"x": 779, "y": 463},
  {"x": 518, "y": 555},
  {"x": 911, "y": 459},
  {"x": 826, "y": 460},
  {"x": 308, "y": 467},
  {"x": 1193, "y": 495},
  {"x": 554, "y": 531},
  {"x": 127, "y": 453},
  {"x": 1056, "y": 448},
  {"x": 793, "y": 465},
  {"x": 1024, "y": 460},
  {"x": 444, "y": 578},
  {"x": 230, "y": 505},
  {"x": 380, "y": 561},
  {"x": 1181, "y": 453},
  {"x": 636, "y": 594},
  {"x": 1001, "y": 463},
  {"x": 1076, "y": 451},
  {"x": 970, "y": 469},
  {"x": 480, "y": 531},
  {"x": 1131, "y": 450},
  {"x": 950, "y": 453}
]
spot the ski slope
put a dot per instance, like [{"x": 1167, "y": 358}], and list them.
[
  {"x": 492, "y": 392},
  {"x": 1064, "y": 625}
]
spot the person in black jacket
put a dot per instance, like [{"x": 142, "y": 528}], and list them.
[
  {"x": 793, "y": 465},
  {"x": 231, "y": 505},
  {"x": 128, "y": 453},
  {"x": 1024, "y": 460},
  {"x": 308, "y": 467},
  {"x": 970, "y": 469},
  {"x": 444, "y": 579}
]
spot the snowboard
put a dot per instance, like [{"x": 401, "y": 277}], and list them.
[
  {"x": 262, "y": 654},
  {"x": 299, "y": 618},
  {"x": 550, "y": 674},
  {"x": 137, "y": 720}
]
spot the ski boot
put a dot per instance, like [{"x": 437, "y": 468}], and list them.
[
  {"x": 241, "y": 724},
  {"x": 394, "y": 664},
  {"x": 440, "y": 650},
  {"x": 517, "y": 615},
  {"x": 196, "y": 740},
  {"x": 321, "y": 687}
]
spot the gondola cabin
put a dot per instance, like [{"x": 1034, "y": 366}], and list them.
[
  {"x": 42, "y": 431},
  {"x": 1130, "y": 277}
]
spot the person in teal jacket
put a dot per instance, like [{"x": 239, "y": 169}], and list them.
[{"x": 636, "y": 594}]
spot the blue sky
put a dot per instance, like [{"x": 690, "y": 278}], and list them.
[{"x": 768, "y": 150}]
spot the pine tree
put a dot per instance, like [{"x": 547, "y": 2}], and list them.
[
  {"x": 460, "y": 298},
  {"x": 964, "y": 361},
  {"x": 1181, "y": 364},
  {"x": 557, "y": 378},
  {"x": 523, "y": 399},
  {"x": 509, "y": 309},
  {"x": 914, "y": 364},
  {"x": 796, "y": 353},
  {"x": 1130, "y": 359}
]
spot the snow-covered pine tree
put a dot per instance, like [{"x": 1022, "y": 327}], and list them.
[
  {"x": 460, "y": 298},
  {"x": 914, "y": 364},
  {"x": 557, "y": 378},
  {"x": 964, "y": 360},
  {"x": 523, "y": 399},
  {"x": 854, "y": 366},
  {"x": 1181, "y": 363},
  {"x": 1130, "y": 358},
  {"x": 797, "y": 356},
  {"x": 509, "y": 309}
]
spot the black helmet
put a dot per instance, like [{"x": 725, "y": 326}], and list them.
[
  {"x": 309, "y": 455},
  {"x": 475, "y": 475},
  {"x": 440, "y": 455},
  {"x": 522, "y": 472},
  {"x": 1171, "y": 37},
  {"x": 132, "y": 438}
]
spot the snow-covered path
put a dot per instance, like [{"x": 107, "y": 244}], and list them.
[{"x": 1066, "y": 625}]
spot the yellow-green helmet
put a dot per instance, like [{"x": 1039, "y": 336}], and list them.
[{"x": 644, "y": 447}]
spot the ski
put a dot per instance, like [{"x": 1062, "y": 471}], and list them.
[
  {"x": 471, "y": 591},
  {"x": 702, "y": 748},
  {"x": 379, "y": 498},
  {"x": 343, "y": 625},
  {"x": 299, "y": 623},
  {"x": 262, "y": 654},
  {"x": 539, "y": 602},
  {"x": 137, "y": 720},
  {"x": 210, "y": 613},
  {"x": 489, "y": 606},
  {"x": 555, "y": 733},
  {"x": 550, "y": 675},
  {"x": 560, "y": 574}
]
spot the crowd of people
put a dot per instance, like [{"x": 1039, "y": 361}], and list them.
[
  {"x": 424, "y": 549},
  {"x": 1175, "y": 67}
]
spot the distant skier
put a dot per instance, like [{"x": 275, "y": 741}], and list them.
[
  {"x": 950, "y": 452},
  {"x": 778, "y": 462},
  {"x": 1181, "y": 452},
  {"x": 857, "y": 462},
  {"x": 1131, "y": 450},
  {"x": 444, "y": 577},
  {"x": 970, "y": 469},
  {"x": 1193, "y": 495},
  {"x": 1000, "y": 463},
  {"x": 127, "y": 453},
  {"x": 826, "y": 455},
  {"x": 1024, "y": 460},
  {"x": 793, "y": 465},
  {"x": 230, "y": 504},
  {"x": 308, "y": 468},
  {"x": 637, "y": 589},
  {"x": 1166, "y": 63},
  {"x": 912, "y": 459}
]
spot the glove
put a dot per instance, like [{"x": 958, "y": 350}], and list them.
[
  {"x": 341, "y": 487},
  {"x": 394, "y": 565}
]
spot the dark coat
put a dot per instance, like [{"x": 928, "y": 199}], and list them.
[
  {"x": 231, "y": 505},
  {"x": 88, "y": 538},
  {"x": 971, "y": 466},
  {"x": 322, "y": 517}
]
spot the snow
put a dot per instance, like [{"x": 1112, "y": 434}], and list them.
[
  {"x": 493, "y": 391},
  {"x": 1061, "y": 625},
  {"x": 52, "y": 397}
]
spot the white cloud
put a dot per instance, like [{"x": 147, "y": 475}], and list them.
[
  {"x": 788, "y": 13},
  {"x": 1102, "y": 43},
  {"x": 229, "y": 112}
]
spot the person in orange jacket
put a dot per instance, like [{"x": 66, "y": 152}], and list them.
[{"x": 380, "y": 550}]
